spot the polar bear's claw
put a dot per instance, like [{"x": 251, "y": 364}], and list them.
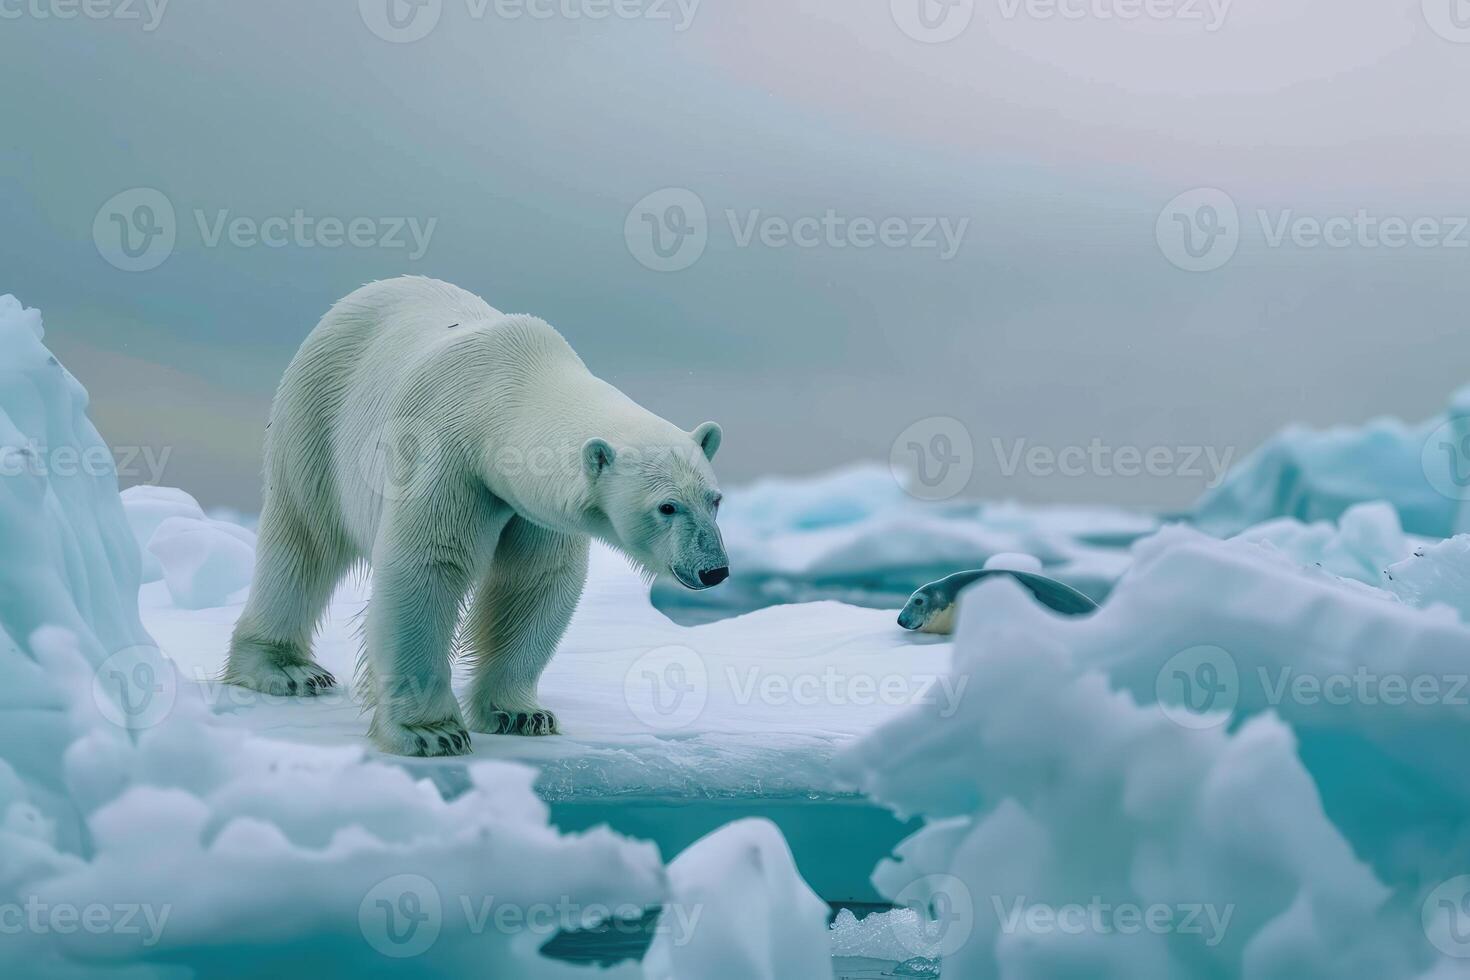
[
  {"x": 538, "y": 722},
  {"x": 447, "y": 737},
  {"x": 282, "y": 680}
]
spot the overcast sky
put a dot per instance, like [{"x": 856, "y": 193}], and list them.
[{"x": 986, "y": 188}]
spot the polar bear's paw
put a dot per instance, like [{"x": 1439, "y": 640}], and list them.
[
  {"x": 447, "y": 737},
  {"x": 495, "y": 721},
  {"x": 279, "y": 679}
]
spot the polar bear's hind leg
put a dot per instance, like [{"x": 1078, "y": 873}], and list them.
[{"x": 295, "y": 574}]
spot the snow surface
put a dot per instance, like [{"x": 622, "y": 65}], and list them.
[{"x": 752, "y": 706}]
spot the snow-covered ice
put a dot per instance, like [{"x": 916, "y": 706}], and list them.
[
  {"x": 1265, "y": 750},
  {"x": 142, "y": 834},
  {"x": 1249, "y": 762}
]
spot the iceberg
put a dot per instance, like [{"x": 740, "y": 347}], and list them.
[
  {"x": 1423, "y": 470},
  {"x": 1262, "y": 760}
]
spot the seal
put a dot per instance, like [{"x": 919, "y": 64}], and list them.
[{"x": 932, "y": 608}]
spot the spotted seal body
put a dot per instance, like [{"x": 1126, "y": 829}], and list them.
[{"x": 932, "y": 608}]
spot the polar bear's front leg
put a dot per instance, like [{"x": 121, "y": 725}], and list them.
[
  {"x": 519, "y": 615},
  {"x": 410, "y": 628}
]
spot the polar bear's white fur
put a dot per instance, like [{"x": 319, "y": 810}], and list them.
[{"x": 468, "y": 455}]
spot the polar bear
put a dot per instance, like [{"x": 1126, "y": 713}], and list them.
[{"x": 468, "y": 456}]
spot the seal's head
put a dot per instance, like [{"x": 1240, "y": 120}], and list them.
[{"x": 926, "y": 608}]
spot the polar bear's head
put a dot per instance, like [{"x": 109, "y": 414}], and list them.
[{"x": 659, "y": 504}]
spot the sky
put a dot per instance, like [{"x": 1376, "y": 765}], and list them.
[{"x": 1043, "y": 239}]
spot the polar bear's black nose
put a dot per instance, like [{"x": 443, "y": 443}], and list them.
[{"x": 714, "y": 576}]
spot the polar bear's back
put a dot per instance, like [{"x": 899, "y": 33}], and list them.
[{"x": 385, "y": 346}]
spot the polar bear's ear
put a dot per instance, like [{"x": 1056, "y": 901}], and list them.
[
  {"x": 708, "y": 435},
  {"x": 597, "y": 456}
]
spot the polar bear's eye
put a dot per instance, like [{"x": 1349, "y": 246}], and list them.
[{"x": 667, "y": 509}]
